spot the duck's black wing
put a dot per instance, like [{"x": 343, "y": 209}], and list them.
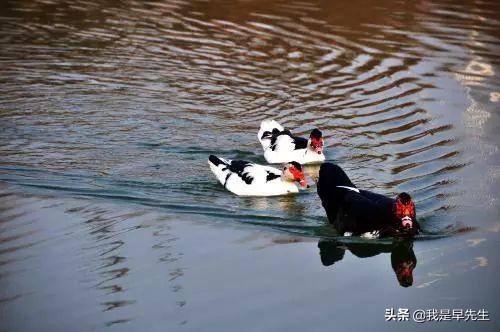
[
  {"x": 300, "y": 142},
  {"x": 383, "y": 201},
  {"x": 359, "y": 214},
  {"x": 297, "y": 142}
]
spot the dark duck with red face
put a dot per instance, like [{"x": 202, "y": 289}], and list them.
[{"x": 354, "y": 211}]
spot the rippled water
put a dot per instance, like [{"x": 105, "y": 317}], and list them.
[{"x": 123, "y": 103}]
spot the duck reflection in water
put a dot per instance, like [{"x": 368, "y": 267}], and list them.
[{"x": 403, "y": 259}]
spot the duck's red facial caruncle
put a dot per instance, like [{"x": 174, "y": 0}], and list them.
[
  {"x": 317, "y": 145},
  {"x": 298, "y": 175},
  {"x": 317, "y": 141},
  {"x": 405, "y": 210}
]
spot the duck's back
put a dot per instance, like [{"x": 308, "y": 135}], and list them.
[
  {"x": 365, "y": 211},
  {"x": 380, "y": 200}
]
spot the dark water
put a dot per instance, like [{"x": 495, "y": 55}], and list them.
[{"x": 110, "y": 217}]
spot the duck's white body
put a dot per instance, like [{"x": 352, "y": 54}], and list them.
[
  {"x": 248, "y": 179},
  {"x": 280, "y": 146}
]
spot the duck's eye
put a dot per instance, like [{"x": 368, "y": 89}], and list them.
[{"x": 286, "y": 168}]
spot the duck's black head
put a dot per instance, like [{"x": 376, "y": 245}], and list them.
[
  {"x": 316, "y": 140},
  {"x": 405, "y": 198}
]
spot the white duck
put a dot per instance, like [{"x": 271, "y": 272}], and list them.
[
  {"x": 244, "y": 178},
  {"x": 280, "y": 146}
]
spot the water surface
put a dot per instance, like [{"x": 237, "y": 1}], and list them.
[{"x": 109, "y": 107}]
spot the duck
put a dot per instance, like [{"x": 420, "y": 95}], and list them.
[
  {"x": 358, "y": 212},
  {"x": 280, "y": 146},
  {"x": 244, "y": 178}
]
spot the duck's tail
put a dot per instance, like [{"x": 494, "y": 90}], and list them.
[
  {"x": 219, "y": 167},
  {"x": 332, "y": 185},
  {"x": 332, "y": 178},
  {"x": 267, "y": 127}
]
